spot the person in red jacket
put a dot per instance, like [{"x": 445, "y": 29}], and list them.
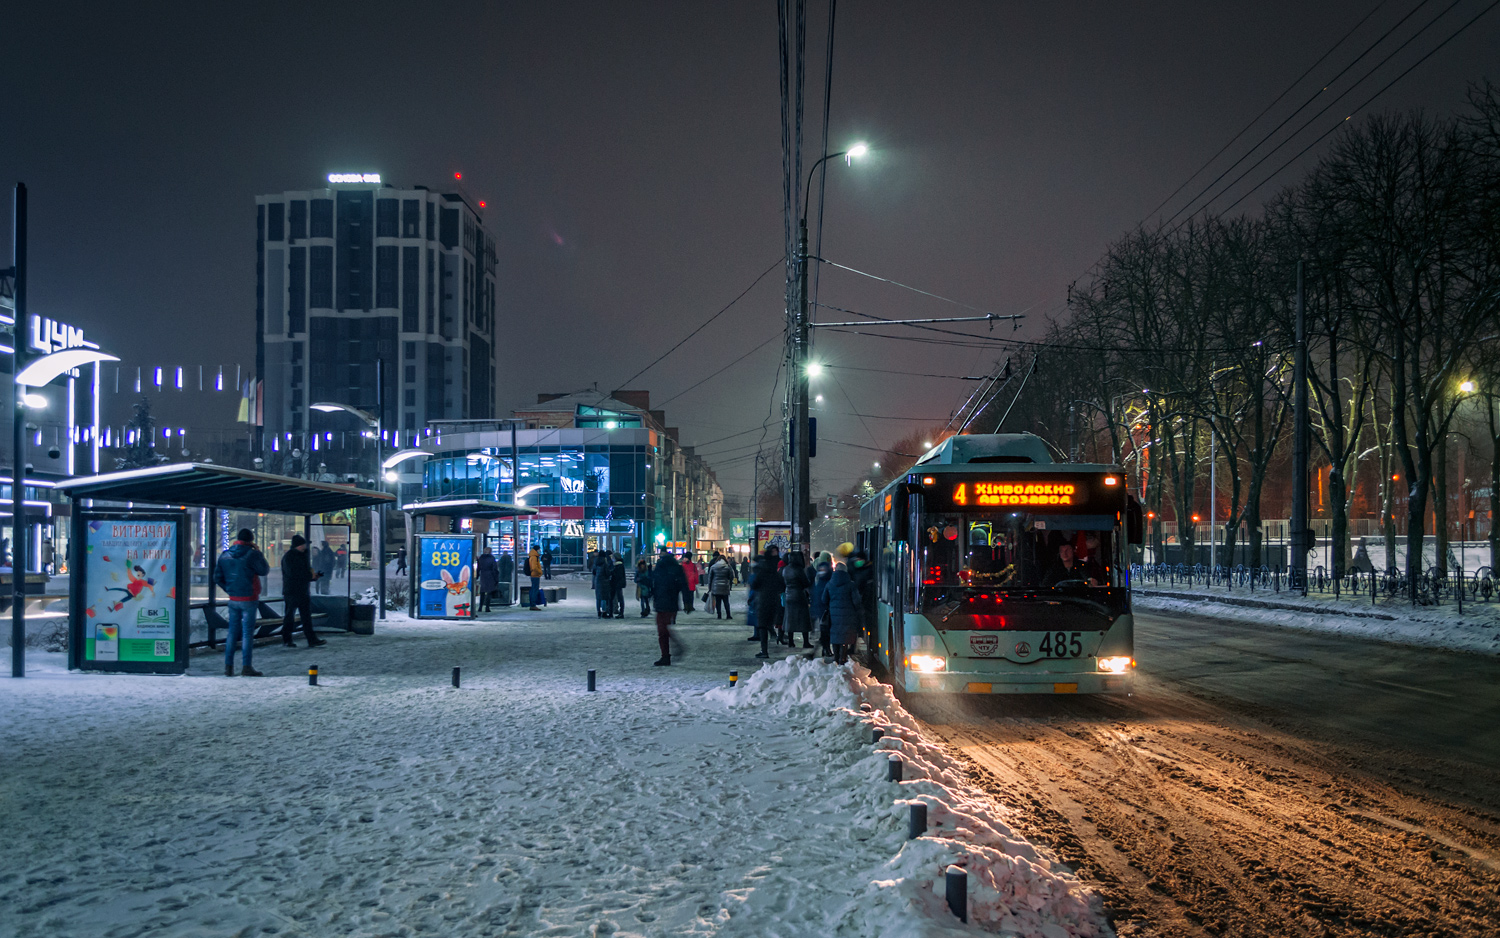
[{"x": 689, "y": 570}]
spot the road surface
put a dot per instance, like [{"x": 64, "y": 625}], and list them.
[{"x": 1261, "y": 781}]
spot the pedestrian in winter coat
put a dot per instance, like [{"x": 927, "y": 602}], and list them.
[
  {"x": 297, "y": 577},
  {"x": 488, "y": 574},
  {"x": 720, "y": 582},
  {"x": 643, "y": 586},
  {"x": 401, "y": 560},
  {"x": 745, "y": 570},
  {"x": 341, "y": 562},
  {"x": 547, "y": 563},
  {"x": 322, "y": 564},
  {"x": 603, "y": 606},
  {"x": 841, "y": 603},
  {"x": 238, "y": 572},
  {"x": 767, "y": 584},
  {"x": 798, "y": 616},
  {"x": 617, "y": 588},
  {"x": 824, "y": 569},
  {"x": 862, "y": 572},
  {"x": 534, "y": 570},
  {"x": 668, "y": 585},
  {"x": 690, "y": 572}
]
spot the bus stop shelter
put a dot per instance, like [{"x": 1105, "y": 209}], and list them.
[
  {"x": 130, "y": 586},
  {"x": 476, "y": 509}
]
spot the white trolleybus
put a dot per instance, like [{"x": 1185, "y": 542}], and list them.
[{"x": 999, "y": 571}]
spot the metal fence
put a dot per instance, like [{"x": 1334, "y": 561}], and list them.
[{"x": 1434, "y": 587}]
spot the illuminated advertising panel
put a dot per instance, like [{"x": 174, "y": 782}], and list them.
[{"x": 128, "y": 607}]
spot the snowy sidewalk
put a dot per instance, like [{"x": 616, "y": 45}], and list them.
[
  {"x": 386, "y": 802},
  {"x": 1475, "y": 630}
]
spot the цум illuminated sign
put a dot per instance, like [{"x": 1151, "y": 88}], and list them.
[
  {"x": 354, "y": 177},
  {"x": 49, "y": 335}
]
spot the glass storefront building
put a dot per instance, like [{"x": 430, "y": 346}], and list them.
[{"x": 593, "y": 487}]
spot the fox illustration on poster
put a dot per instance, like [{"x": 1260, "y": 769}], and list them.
[{"x": 446, "y": 575}]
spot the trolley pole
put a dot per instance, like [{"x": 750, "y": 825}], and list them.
[
  {"x": 20, "y": 340},
  {"x": 1297, "y": 563}
]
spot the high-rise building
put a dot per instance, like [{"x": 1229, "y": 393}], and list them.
[{"x": 360, "y": 271}]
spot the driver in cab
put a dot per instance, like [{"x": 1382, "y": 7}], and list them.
[{"x": 1069, "y": 567}]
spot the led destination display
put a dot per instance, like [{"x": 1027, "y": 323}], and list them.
[{"x": 1076, "y": 493}]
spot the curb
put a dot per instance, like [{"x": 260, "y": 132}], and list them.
[{"x": 1265, "y": 604}]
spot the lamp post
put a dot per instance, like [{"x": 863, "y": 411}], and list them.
[
  {"x": 377, "y": 516},
  {"x": 800, "y": 437},
  {"x": 38, "y": 372}
]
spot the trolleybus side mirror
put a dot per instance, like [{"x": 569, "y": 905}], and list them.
[{"x": 1135, "y": 525}]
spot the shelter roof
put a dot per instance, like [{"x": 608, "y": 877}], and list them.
[
  {"x": 468, "y": 508},
  {"x": 204, "y": 485}
]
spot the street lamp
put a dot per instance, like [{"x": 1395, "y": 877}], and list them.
[
  {"x": 802, "y": 368},
  {"x": 376, "y": 423}
]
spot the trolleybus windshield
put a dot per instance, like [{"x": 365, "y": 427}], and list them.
[{"x": 972, "y": 563}]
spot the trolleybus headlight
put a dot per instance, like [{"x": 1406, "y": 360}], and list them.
[
  {"x": 1116, "y": 665},
  {"x": 927, "y": 662}
]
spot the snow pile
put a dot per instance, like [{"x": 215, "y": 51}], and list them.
[
  {"x": 1013, "y": 889},
  {"x": 1475, "y": 630}
]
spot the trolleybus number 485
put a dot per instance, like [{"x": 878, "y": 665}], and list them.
[{"x": 1061, "y": 645}]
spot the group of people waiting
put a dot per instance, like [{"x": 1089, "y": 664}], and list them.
[{"x": 787, "y": 596}]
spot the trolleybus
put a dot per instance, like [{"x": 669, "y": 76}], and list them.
[{"x": 999, "y": 571}]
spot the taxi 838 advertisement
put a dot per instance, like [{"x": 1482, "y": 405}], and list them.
[
  {"x": 446, "y": 576},
  {"x": 130, "y": 591}
]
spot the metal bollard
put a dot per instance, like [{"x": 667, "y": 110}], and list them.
[
  {"x": 918, "y": 825},
  {"x": 957, "y": 882},
  {"x": 734, "y": 678},
  {"x": 312, "y": 675},
  {"x": 591, "y": 678},
  {"x": 455, "y": 677},
  {"x": 875, "y": 733},
  {"x": 893, "y": 769}
]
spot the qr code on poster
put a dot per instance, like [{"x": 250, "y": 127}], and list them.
[{"x": 163, "y": 649}]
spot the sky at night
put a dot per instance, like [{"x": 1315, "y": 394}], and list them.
[{"x": 630, "y": 158}]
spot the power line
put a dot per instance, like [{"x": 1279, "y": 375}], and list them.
[
  {"x": 705, "y": 324},
  {"x": 1273, "y": 131},
  {"x": 774, "y": 337},
  {"x": 1367, "y": 101},
  {"x": 914, "y": 374},
  {"x": 904, "y": 286},
  {"x": 1253, "y": 121},
  {"x": 872, "y": 449}
]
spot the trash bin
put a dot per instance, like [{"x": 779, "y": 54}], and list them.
[{"x": 362, "y": 618}]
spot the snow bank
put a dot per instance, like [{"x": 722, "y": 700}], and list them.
[
  {"x": 1013, "y": 888},
  {"x": 1476, "y": 630}
]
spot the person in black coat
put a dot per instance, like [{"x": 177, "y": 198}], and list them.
[
  {"x": 841, "y": 603},
  {"x": 796, "y": 600},
  {"x": 767, "y": 585},
  {"x": 668, "y": 584},
  {"x": 297, "y": 577},
  {"x": 862, "y": 572},
  {"x": 617, "y": 578}
]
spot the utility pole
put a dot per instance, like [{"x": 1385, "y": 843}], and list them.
[
  {"x": 20, "y": 340},
  {"x": 799, "y": 513},
  {"x": 1299, "y": 533}
]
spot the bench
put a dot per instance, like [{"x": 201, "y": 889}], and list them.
[{"x": 268, "y": 621}]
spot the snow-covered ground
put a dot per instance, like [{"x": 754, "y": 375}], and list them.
[
  {"x": 1476, "y": 629},
  {"x": 387, "y": 802}
]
